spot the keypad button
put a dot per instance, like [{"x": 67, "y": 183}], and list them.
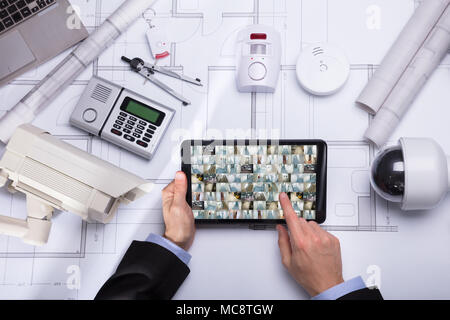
[
  {"x": 89, "y": 115},
  {"x": 116, "y": 132},
  {"x": 128, "y": 126},
  {"x": 133, "y": 118},
  {"x": 120, "y": 123},
  {"x": 152, "y": 127},
  {"x": 142, "y": 123},
  {"x": 131, "y": 122},
  {"x": 123, "y": 114},
  {"x": 129, "y": 138},
  {"x": 116, "y": 126},
  {"x": 140, "y": 127},
  {"x": 127, "y": 131},
  {"x": 142, "y": 143},
  {"x": 148, "y": 135},
  {"x": 150, "y": 131},
  {"x": 121, "y": 118},
  {"x": 136, "y": 135},
  {"x": 146, "y": 139},
  {"x": 138, "y": 131}
]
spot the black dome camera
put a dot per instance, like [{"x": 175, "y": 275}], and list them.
[{"x": 388, "y": 174}]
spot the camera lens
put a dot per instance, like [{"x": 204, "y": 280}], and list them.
[{"x": 388, "y": 174}]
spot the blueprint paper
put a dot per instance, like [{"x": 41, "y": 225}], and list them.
[
  {"x": 406, "y": 253},
  {"x": 417, "y": 73}
]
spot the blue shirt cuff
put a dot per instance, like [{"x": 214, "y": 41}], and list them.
[
  {"x": 183, "y": 255},
  {"x": 342, "y": 289}
]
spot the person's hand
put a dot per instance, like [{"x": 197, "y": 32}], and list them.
[
  {"x": 311, "y": 255},
  {"x": 178, "y": 216}
]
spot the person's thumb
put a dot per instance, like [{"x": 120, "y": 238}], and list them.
[
  {"x": 180, "y": 188},
  {"x": 285, "y": 245}
]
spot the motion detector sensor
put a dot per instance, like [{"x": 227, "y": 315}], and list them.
[
  {"x": 322, "y": 69},
  {"x": 414, "y": 173}
]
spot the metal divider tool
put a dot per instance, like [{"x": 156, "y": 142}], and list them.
[{"x": 147, "y": 70}]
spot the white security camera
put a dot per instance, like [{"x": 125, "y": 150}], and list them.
[
  {"x": 414, "y": 173},
  {"x": 56, "y": 175}
]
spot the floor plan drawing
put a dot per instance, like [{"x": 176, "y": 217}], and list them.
[{"x": 409, "y": 251}]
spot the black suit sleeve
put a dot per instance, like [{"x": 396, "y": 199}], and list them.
[
  {"x": 147, "y": 271},
  {"x": 363, "y": 294}
]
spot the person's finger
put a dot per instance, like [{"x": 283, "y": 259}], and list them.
[
  {"x": 285, "y": 245},
  {"x": 315, "y": 232},
  {"x": 292, "y": 220},
  {"x": 316, "y": 228},
  {"x": 180, "y": 188}
]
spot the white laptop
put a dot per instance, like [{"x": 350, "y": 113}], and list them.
[{"x": 34, "y": 31}]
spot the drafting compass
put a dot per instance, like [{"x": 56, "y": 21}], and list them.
[{"x": 148, "y": 70}]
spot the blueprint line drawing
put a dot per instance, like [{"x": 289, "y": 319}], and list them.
[{"x": 80, "y": 256}]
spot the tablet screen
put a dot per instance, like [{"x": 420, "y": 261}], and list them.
[{"x": 243, "y": 182}]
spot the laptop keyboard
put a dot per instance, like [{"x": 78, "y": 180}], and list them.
[{"x": 13, "y": 12}]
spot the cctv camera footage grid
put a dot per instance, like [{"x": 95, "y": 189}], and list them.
[{"x": 244, "y": 182}]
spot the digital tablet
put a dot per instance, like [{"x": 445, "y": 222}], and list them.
[{"x": 239, "y": 181}]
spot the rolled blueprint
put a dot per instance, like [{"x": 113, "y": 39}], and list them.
[
  {"x": 71, "y": 67},
  {"x": 419, "y": 70},
  {"x": 400, "y": 55}
]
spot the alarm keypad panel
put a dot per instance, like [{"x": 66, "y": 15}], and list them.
[
  {"x": 134, "y": 124},
  {"x": 132, "y": 121}
]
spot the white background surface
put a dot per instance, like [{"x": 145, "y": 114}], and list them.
[{"x": 407, "y": 254}]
